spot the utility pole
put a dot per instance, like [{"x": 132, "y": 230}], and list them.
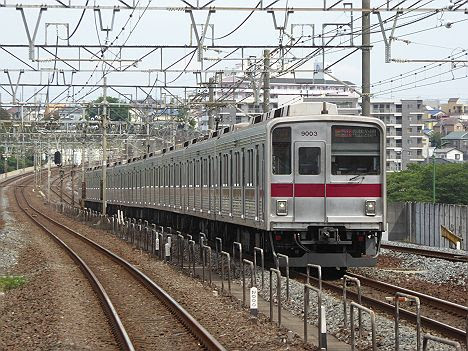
[
  {"x": 72, "y": 173},
  {"x": 211, "y": 124},
  {"x": 366, "y": 58},
  {"x": 48, "y": 171},
  {"x": 39, "y": 161},
  {"x": 61, "y": 187},
  {"x": 104, "y": 148},
  {"x": 22, "y": 138},
  {"x": 5, "y": 162},
  {"x": 35, "y": 168},
  {"x": 266, "y": 81},
  {"x": 83, "y": 187}
]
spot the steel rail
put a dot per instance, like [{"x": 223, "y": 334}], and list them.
[
  {"x": 428, "y": 253},
  {"x": 460, "y": 310},
  {"x": 195, "y": 328},
  {"x": 444, "y": 329},
  {"x": 56, "y": 190},
  {"x": 114, "y": 320},
  {"x": 9, "y": 180}
]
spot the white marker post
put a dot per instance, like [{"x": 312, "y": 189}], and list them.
[
  {"x": 157, "y": 242},
  {"x": 167, "y": 249},
  {"x": 254, "y": 301},
  {"x": 323, "y": 329}
]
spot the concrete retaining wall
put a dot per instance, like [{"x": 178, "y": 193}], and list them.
[{"x": 420, "y": 223}]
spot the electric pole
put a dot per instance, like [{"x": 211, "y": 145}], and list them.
[
  {"x": 104, "y": 148},
  {"x": 266, "y": 81},
  {"x": 72, "y": 173},
  {"x": 83, "y": 187},
  {"x": 48, "y": 171},
  {"x": 61, "y": 172},
  {"x": 211, "y": 124},
  {"x": 35, "y": 168},
  {"x": 5, "y": 162},
  {"x": 366, "y": 58}
]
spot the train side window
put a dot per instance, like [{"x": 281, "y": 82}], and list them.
[
  {"x": 155, "y": 177},
  {"x": 309, "y": 160},
  {"x": 241, "y": 168},
  {"x": 210, "y": 168},
  {"x": 281, "y": 151},
  {"x": 205, "y": 172},
  {"x": 230, "y": 168},
  {"x": 251, "y": 167}
]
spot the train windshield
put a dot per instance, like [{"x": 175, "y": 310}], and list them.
[
  {"x": 281, "y": 142},
  {"x": 355, "y": 150}
]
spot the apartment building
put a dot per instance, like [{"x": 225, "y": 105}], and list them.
[
  {"x": 283, "y": 91},
  {"x": 406, "y": 141}
]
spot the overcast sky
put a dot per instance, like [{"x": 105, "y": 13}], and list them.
[{"x": 428, "y": 37}]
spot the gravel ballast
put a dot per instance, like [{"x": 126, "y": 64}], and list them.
[
  {"x": 55, "y": 309},
  {"x": 221, "y": 316}
]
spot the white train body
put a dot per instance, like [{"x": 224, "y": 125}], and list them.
[{"x": 298, "y": 181}]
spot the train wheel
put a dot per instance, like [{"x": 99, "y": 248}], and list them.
[{"x": 333, "y": 273}]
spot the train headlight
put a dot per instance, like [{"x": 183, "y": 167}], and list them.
[
  {"x": 370, "y": 207},
  {"x": 282, "y": 207}
]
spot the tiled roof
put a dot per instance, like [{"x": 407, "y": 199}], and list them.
[{"x": 456, "y": 136}]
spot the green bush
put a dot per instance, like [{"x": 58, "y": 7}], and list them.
[{"x": 415, "y": 184}]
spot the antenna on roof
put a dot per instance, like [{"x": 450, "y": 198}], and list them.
[{"x": 324, "y": 109}]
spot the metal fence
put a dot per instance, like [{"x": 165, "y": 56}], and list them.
[{"x": 420, "y": 223}]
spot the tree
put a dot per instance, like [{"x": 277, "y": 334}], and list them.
[
  {"x": 12, "y": 159},
  {"x": 4, "y": 115},
  {"x": 184, "y": 117},
  {"x": 436, "y": 139},
  {"x": 115, "y": 113},
  {"x": 415, "y": 184}
]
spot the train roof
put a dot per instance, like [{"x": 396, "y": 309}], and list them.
[{"x": 300, "y": 109}]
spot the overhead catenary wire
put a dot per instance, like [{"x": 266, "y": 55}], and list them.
[
  {"x": 79, "y": 22},
  {"x": 331, "y": 50},
  {"x": 419, "y": 70}
]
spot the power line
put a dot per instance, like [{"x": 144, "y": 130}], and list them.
[{"x": 79, "y": 21}]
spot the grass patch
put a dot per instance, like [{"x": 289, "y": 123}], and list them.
[{"x": 11, "y": 282}]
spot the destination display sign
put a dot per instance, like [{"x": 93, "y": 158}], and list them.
[{"x": 344, "y": 134}]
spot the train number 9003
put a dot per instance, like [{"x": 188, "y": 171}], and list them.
[{"x": 308, "y": 133}]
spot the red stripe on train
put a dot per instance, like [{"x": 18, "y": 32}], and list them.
[
  {"x": 333, "y": 190},
  {"x": 281, "y": 190},
  {"x": 309, "y": 190},
  {"x": 354, "y": 190}
]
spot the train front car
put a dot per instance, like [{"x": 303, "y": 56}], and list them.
[{"x": 327, "y": 187}]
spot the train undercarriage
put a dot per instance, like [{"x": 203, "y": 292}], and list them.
[{"x": 333, "y": 248}]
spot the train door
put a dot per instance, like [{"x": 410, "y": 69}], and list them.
[{"x": 309, "y": 181}]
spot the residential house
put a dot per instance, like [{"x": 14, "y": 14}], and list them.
[
  {"x": 448, "y": 125},
  {"x": 454, "y": 107},
  {"x": 449, "y": 153},
  {"x": 458, "y": 140}
]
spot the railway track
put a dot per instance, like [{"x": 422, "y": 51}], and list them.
[
  {"x": 428, "y": 253},
  {"x": 144, "y": 316},
  {"x": 374, "y": 300},
  {"x": 55, "y": 188},
  {"x": 10, "y": 180}
]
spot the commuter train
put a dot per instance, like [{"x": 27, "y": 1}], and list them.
[{"x": 301, "y": 180}]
